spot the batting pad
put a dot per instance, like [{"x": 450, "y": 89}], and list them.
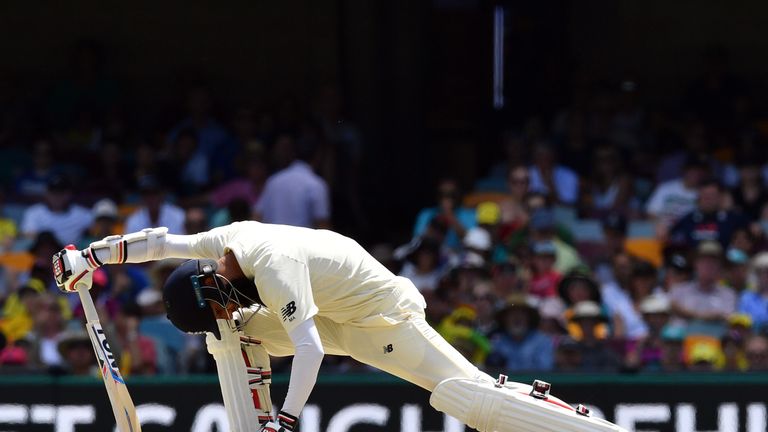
[
  {"x": 509, "y": 408},
  {"x": 233, "y": 379}
]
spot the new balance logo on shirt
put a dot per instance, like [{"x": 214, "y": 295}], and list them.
[{"x": 288, "y": 310}]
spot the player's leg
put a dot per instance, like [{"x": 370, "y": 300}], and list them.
[{"x": 412, "y": 350}]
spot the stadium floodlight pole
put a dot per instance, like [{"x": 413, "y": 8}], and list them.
[{"x": 119, "y": 398}]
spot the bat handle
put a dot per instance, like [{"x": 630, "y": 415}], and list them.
[{"x": 88, "y": 307}]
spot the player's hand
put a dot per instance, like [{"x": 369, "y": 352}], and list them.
[
  {"x": 285, "y": 423},
  {"x": 72, "y": 268}
]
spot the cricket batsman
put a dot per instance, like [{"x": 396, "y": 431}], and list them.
[{"x": 258, "y": 289}]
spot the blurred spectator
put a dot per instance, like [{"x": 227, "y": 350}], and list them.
[
  {"x": 596, "y": 355},
  {"x": 422, "y": 265},
  {"x": 103, "y": 297},
  {"x": 552, "y": 313},
  {"x": 43, "y": 248},
  {"x": 155, "y": 211},
  {"x": 705, "y": 299},
  {"x": 677, "y": 270},
  {"x": 518, "y": 345},
  {"x": 155, "y": 325},
  {"x": 514, "y": 145},
  {"x": 191, "y": 162},
  {"x": 705, "y": 357},
  {"x": 506, "y": 279},
  {"x": 674, "y": 199},
  {"x": 615, "y": 232},
  {"x": 8, "y": 228},
  {"x": 459, "y": 330},
  {"x": 743, "y": 239},
  {"x": 32, "y": 184},
  {"x": 195, "y": 220},
  {"x": 750, "y": 195},
  {"x": 647, "y": 352},
  {"x": 610, "y": 184},
  {"x": 147, "y": 164},
  {"x": 544, "y": 277},
  {"x": 624, "y": 306},
  {"x": 568, "y": 356},
  {"x": 57, "y": 214},
  {"x": 709, "y": 221},
  {"x": 542, "y": 227},
  {"x": 295, "y": 195},
  {"x": 247, "y": 186},
  {"x": 734, "y": 354},
  {"x": 478, "y": 240},
  {"x": 488, "y": 215},
  {"x": 672, "y": 338},
  {"x": 740, "y": 324},
  {"x": 138, "y": 352},
  {"x": 76, "y": 350},
  {"x": 105, "y": 215},
  {"x": 48, "y": 325},
  {"x": 696, "y": 143},
  {"x": 555, "y": 181},
  {"x": 109, "y": 177},
  {"x": 755, "y": 302},
  {"x": 756, "y": 348},
  {"x": 449, "y": 212},
  {"x": 211, "y": 136},
  {"x": 17, "y": 311},
  {"x": 576, "y": 287},
  {"x": 736, "y": 269},
  {"x": 513, "y": 207}
]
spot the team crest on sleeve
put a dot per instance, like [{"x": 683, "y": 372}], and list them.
[{"x": 288, "y": 310}]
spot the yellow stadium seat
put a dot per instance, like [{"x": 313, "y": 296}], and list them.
[
  {"x": 475, "y": 198},
  {"x": 18, "y": 261},
  {"x": 645, "y": 248}
]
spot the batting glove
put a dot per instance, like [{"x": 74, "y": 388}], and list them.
[
  {"x": 285, "y": 423},
  {"x": 72, "y": 268}
]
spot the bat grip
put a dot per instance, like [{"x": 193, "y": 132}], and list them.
[{"x": 88, "y": 307}]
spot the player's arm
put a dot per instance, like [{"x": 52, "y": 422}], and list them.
[
  {"x": 150, "y": 244},
  {"x": 306, "y": 364}
]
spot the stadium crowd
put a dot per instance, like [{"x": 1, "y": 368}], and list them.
[{"x": 613, "y": 237}]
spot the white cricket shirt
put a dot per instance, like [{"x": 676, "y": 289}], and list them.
[{"x": 301, "y": 272}]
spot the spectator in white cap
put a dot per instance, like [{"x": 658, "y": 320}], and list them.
[
  {"x": 646, "y": 353},
  {"x": 705, "y": 301},
  {"x": 755, "y": 302},
  {"x": 155, "y": 325},
  {"x": 596, "y": 355},
  {"x": 105, "y": 217},
  {"x": 478, "y": 240}
]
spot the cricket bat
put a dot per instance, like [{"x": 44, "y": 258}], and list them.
[{"x": 122, "y": 405}]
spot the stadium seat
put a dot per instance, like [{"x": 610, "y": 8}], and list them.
[
  {"x": 648, "y": 249},
  {"x": 587, "y": 230},
  {"x": 17, "y": 261},
  {"x": 641, "y": 229},
  {"x": 475, "y": 198}
]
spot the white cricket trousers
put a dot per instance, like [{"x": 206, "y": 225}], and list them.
[{"x": 397, "y": 340}]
